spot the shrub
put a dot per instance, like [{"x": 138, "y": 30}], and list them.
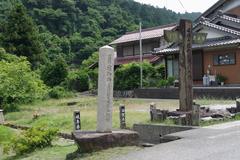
[
  {"x": 18, "y": 83},
  {"x": 127, "y": 76},
  {"x": 58, "y": 92},
  {"x": 220, "y": 78},
  {"x": 93, "y": 78},
  {"x": 53, "y": 74},
  {"x": 171, "y": 81},
  {"x": 163, "y": 83},
  {"x": 160, "y": 71},
  {"x": 32, "y": 139},
  {"x": 78, "y": 81}
]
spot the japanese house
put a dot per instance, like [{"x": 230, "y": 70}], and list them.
[
  {"x": 128, "y": 50},
  {"x": 220, "y": 53}
]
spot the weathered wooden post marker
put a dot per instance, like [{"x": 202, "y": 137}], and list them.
[
  {"x": 122, "y": 116},
  {"x": 105, "y": 89},
  {"x": 185, "y": 39},
  {"x": 238, "y": 105},
  {"x": 77, "y": 120},
  {"x": 152, "y": 111},
  {"x": 1, "y": 117}
]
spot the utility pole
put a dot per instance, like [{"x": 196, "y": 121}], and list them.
[{"x": 141, "y": 54}]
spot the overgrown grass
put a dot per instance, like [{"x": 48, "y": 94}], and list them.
[
  {"x": 6, "y": 134},
  {"x": 56, "y": 113}
]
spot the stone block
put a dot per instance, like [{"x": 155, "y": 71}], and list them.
[{"x": 94, "y": 141}]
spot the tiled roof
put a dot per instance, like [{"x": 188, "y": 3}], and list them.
[
  {"x": 207, "y": 44},
  {"x": 229, "y": 18},
  {"x": 146, "y": 34},
  {"x": 124, "y": 60},
  {"x": 218, "y": 27}
]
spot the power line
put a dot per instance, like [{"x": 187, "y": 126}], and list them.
[{"x": 182, "y": 5}]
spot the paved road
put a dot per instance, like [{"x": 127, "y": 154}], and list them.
[{"x": 220, "y": 142}]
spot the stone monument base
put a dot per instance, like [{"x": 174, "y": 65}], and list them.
[{"x": 90, "y": 141}]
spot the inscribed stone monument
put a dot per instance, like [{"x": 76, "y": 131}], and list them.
[{"x": 105, "y": 89}]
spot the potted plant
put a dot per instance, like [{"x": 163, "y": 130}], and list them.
[{"x": 221, "y": 79}]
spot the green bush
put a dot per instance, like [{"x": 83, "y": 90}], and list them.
[
  {"x": 93, "y": 78},
  {"x": 163, "y": 83},
  {"x": 220, "y": 78},
  {"x": 32, "y": 139},
  {"x": 78, "y": 81},
  {"x": 127, "y": 76},
  {"x": 171, "y": 81},
  {"x": 166, "y": 82},
  {"x": 58, "y": 92},
  {"x": 160, "y": 71},
  {"x": 53, "y": 74},
  {"x": 18, "y": 83}
]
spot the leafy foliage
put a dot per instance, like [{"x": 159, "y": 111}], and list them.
[
  {"x": 18, "y": 84},
  {"x": 20, "y": 36},
  {"x": 78, "y": 81},
  {"x": 54, "y": 73},
  {"x": 127, "y": 76},
  {"x": 75, "y": 29},
  {"x": 58, "y": 92},
  {"x": 34, "y": 138}
]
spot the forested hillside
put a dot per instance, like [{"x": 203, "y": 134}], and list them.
[{"x": 74, "y": 29}]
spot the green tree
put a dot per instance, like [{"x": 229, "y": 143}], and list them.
[
  {"x": 20, "y": 36},
  {"x": 18, "y": 83},
  {"x": 127, "y": 76},
  {"x": 54, "y": 73}
]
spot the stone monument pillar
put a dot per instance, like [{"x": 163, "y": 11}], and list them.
[
  {"x": 105, "y": 89},
  {"x": 1, "y": 117}
]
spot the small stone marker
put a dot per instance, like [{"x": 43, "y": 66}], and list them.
[
  {"x": 105, "y": 89},
  {"x": 1, "y": 117},
  {"x": 122, "y": 115},
  {"x": 77, "y": 120}
]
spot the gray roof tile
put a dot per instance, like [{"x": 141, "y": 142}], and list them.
[
  {"x": 207, "y": 44},
  {"x": 146, "y": 34}
]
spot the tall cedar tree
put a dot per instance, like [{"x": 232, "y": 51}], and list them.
[{"x": 20, "y": 36}]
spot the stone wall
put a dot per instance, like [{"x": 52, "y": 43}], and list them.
[
  {"x": 199, "y": 92},
  {"x": 123, "y": 94},
  {"x": 154, "y": 133}
]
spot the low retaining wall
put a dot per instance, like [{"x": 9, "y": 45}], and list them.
[
  {"x": 198, "y": 92},
  {"x": 153, "y": 133}
]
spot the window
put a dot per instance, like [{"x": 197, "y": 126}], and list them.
[
  {"x": 128, "y": 51},
  {"x": 224, "y": 59}
]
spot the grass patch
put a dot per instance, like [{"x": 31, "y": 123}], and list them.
[
  {"x": 57, "y": 113},
  {"x": 6, "y": 134}
]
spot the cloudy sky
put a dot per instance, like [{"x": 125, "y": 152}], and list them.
[{"x": 189, "y": 5}]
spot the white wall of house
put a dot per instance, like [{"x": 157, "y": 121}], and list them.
[{"x": 212, "y": 33}]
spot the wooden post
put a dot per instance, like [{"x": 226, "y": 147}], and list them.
[
  {"x": 185, "y": 67},
  {"x": 122, "y": 116},
  {"x": 152, "y": 111},
  {"x": 238, "y": 105},
  {"x": 196, "y": 115}
]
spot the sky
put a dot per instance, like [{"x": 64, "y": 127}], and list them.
[{"x": 189, "y": 5}]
